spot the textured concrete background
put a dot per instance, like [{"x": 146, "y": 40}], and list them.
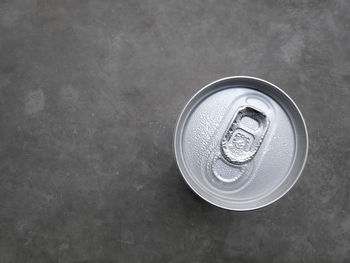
[{"x": 89, "y": 95}]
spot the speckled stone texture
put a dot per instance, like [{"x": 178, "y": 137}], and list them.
[{"x": 89, "y": 95}]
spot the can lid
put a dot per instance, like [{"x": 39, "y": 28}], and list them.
[{"x": 241, "y": 143}]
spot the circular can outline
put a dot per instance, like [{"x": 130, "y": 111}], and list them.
[{"x": 176, "y": 150}]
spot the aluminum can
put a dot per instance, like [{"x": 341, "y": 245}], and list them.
[{"x": 241, "y": 143}]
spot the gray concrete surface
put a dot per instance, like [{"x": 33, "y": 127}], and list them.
[{"x": 89, "y": 95}]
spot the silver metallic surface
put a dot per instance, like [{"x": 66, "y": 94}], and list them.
[
  {"x": 244, "y": 135},
  {"x": 276, "y": 131}
]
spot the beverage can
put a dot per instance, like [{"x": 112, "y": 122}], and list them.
[{"x": 241, "y": 143}]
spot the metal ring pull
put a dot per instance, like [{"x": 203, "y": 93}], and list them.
[{"x": 244, "y": 135}]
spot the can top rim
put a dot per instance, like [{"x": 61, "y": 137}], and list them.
[{"x": 242, "y": 77}]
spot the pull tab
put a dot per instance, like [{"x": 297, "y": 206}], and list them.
[{"x": 244, "y": 135}]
